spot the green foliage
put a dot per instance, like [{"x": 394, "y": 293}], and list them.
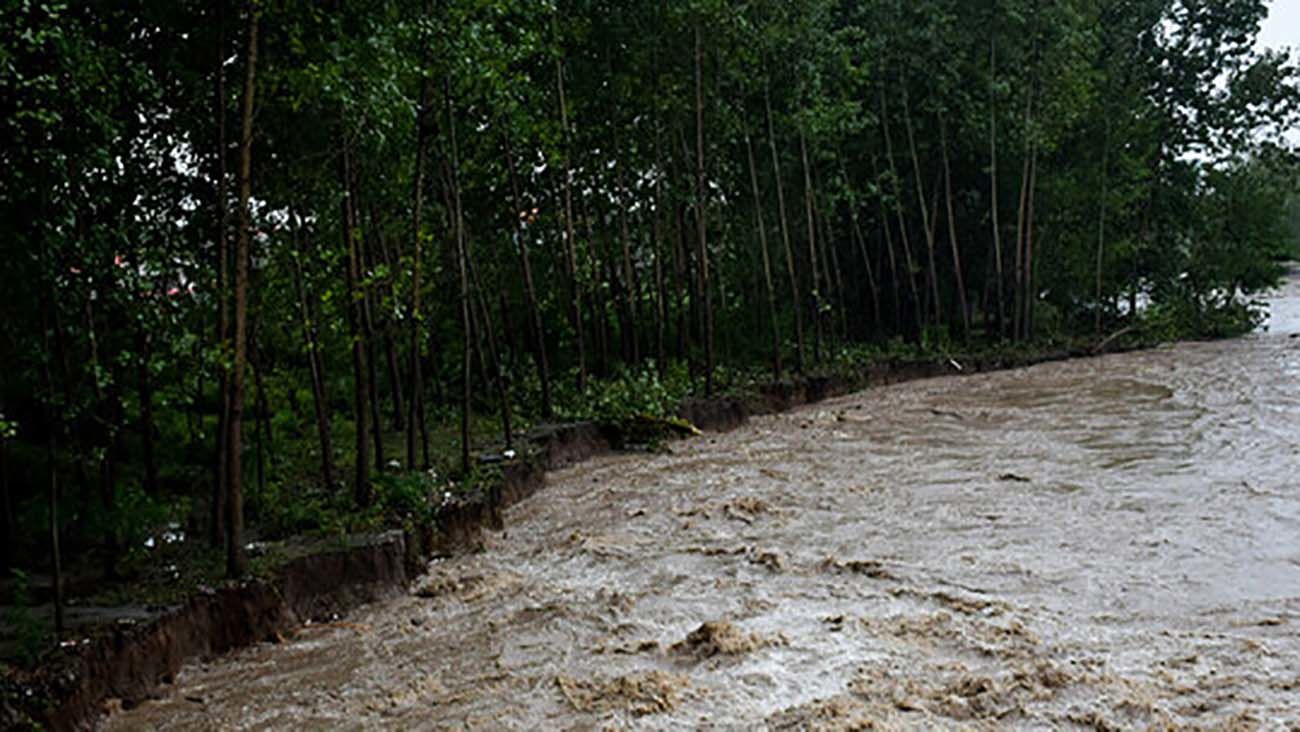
[
  {"x": 410, "y": 498},
  {"x": 633, "y": 393},
  {"x": 1190, "y": 317},
  {"x": 283, "y": 513},
  {"x": 32, "y": 637}
]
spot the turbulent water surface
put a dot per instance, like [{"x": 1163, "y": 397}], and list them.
[{"x": 1103, "y": 543}]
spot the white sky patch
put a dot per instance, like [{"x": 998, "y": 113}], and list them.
[{"x": 1281, "y": 29}]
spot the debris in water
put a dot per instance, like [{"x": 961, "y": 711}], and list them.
[
  {"x": 1013, "y": 478},
  {"x": 836, "y": 623},
  {"x": 717, "y": 551},
  {"x": 946, "y": 413},
  {"x": 722, "y": 638},
  {"x": 746, "y": 509},
  {"x": 771, "y": 560},
  {"x": 629, "y": 649},
  {"x": 642, "y": 694},
  {"x": 440, "y": 583},
  {"x": 837, "y": 713},
  {"x": 866, "y": 567}
]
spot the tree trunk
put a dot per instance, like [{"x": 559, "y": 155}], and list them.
[
  {"x": 1030, "y": 297},
  {"x": 262, "y": 416},
  {"x": 680, "y": 276},
  {"x": 356, "y": 318},
  {"x": 365, "y": 260},
  {"x": 462, "y": 266},
  {"x": 522, "y": 219},
  {"x": 926, "y": 218},
  {"x": 1101, "y": 223},
  {"x": 1019, "y": 303},
  {"x": 860, "y": 240},
  {"x": 415, "y": 396},
  {"x": 146, "y": 427},
  {"x": 1024, "y": 223},
  {"x": 51, "y": 458},
  {"x": 597, "y": 310},
  {"x": 382, "y": 322},
  {"x": 312, "y": 343},
  {"x": 488, "y": 332},
  {"x": 570, "y": 244},
  {"x": 701, "y": 219},
  {"x": 767, "y": 261},
  {"x": 998, "y": 259},
  {"x": 56, "y": 555},
  {"x": 107, "y": 408},
  {"x": 916, "y": 315},
  {"x": 236, "y": 559},
  {"x": 801, "y": 356},
  {"x": 7, "y": 524},
  {"x": 891, "y": 256},
  {"x": 834, "y": 273},
  {"x": 952, "y": 233},
  {"x": 815, "y": 290},
  {"x": 220, "y": 487},
  {"x": 657, "y": 243},
  {"x": 631, "y": 289}
]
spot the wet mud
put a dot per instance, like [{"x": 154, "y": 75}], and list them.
[{"x": 1108, "y": 543}]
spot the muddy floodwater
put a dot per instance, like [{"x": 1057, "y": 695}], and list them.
[{"x": 1106, "y": 543}]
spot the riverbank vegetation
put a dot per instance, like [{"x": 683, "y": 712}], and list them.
[{"x": 279, "y": 266}]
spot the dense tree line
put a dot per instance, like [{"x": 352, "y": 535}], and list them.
[{"x": 236, "y": 232}]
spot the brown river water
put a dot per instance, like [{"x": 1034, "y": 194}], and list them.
[{"x": 1106, "y": 543}]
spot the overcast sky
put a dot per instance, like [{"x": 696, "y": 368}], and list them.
[{"x": 1282, "y": 28}]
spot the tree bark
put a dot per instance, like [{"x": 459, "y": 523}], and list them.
[
  {"x": 801, "y": 356},
  {"x": 236, "y": 559},
  {"x": 462, "y": 266},
  {"x": 952, "y": 233},
  {"x": 415, "y": 396},
  {"x": 1101, "y": 223},
  {"x": 861, "y": 241},
  {"x": 767, "y": 261},
  {"x": 360, "y": 370},
  {"x": 926, "y": 218},
  {"x": 386, "y": 325},
  {"x": 365, "y": 262},
  {"x": 220, "y": 487},
  {"x": 522, "y": 218},
  {"x": 311, "y": 342},
  {"x": 489, "y": 333},
  {"x": 145, "y": 389},
  {"x": 1030, "y": 297},
  {"x": 701, "y": 218},
  {"x": 570, "y": 244},
  {"x": 917, "y": 317},
  {"x": 810, "y": 213},
  {"x": 51, "y": 458},
  {"x": 998, "y": 259},
  {"x": 891, "y": 256}
]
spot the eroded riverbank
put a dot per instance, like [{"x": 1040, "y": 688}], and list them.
[{"x": 1109, "y": 542}]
